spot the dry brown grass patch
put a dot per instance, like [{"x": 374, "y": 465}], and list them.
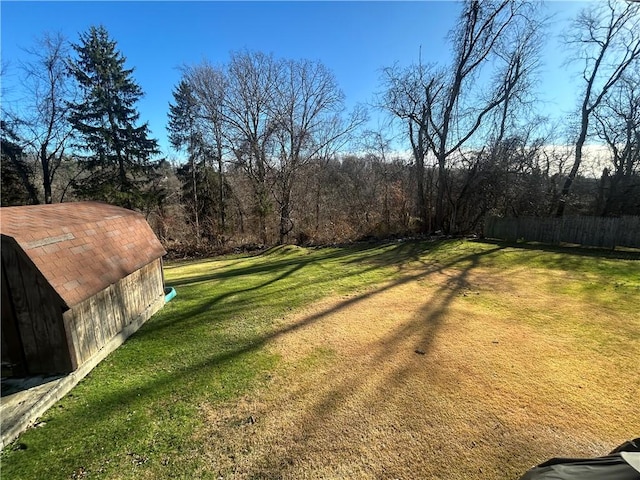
[{"x": 458, "y": 374}]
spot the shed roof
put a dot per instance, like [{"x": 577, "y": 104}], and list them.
[{"x": 81, "y": 247}]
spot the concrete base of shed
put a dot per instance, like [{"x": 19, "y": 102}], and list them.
[{"x": 29, "y": 398}]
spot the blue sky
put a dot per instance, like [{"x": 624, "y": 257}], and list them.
[{"x": 354, "y": 39}]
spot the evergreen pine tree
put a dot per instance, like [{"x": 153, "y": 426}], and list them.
[
  {"x": 118, "y": 152},
  {"x": 183, "y": 134},
  {"x": 183, "y": 117},
  {"x": 16, "y": 174}
]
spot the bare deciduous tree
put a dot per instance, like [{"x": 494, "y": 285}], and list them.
[
  {"x": 250, "y": 127},
  {"x": 307, "y": 109},
  {"x": 606, "y": 40},
  {"x": 43, "y": 116},
  {"x": 618, "y": 125},
  {"x": 445, "y": 110},
  {"x": 273, "y": 117}
]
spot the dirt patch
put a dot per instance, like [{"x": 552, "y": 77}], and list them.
[{"x": 432, "y": 376}]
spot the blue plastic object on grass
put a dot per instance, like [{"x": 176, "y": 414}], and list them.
[{"x": 169, "y": 293}]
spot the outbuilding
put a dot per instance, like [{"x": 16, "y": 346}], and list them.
[{"x": 75, "y": 276}]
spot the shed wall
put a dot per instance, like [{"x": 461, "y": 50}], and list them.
[
  {"x": 33, "y": 313},
  {"x": 93, "y": 322}
]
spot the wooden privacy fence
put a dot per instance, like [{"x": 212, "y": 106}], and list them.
[{"x": 587, "y": 231}]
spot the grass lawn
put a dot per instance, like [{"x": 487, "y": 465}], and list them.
[{"x": 454, "y": 360}]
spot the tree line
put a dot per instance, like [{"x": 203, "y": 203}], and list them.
[{"x": 269, "y": 153}]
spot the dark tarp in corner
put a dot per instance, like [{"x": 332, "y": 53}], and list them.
[{"x": 610, "y": 467}]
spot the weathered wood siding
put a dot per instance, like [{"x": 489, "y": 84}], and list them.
[
  {"x": 35, "y": 310},
  {"x": 587, "y": 231},
  {"x": 93, "y": 322},
  {"x": 12, "y": 351}
]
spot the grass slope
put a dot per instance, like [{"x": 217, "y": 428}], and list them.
[{"x": 266, "y": 337}]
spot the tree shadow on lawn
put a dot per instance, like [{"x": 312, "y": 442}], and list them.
[
  {"x": 261, "y": 264},
  {"x": 376, "y": 255},
  {"x": 122, "y": 398},
  {"x": 611, "y": 265},
  {"x": 502, "y": 446},
  {"x": 416, "y": 337},
  {"x": 424, "y": 328},
  {"x": 374, "y": 258},
  {"x": 569, "y": 250},
  {"x": 190, "y": 316}
]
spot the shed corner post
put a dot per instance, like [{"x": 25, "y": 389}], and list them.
[{"x": 68, "y": 319}]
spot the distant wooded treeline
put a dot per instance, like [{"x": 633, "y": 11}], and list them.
[{"x": 264, "y": 140}]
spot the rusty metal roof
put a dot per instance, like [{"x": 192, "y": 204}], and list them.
[{"x": 81, "y": 247}]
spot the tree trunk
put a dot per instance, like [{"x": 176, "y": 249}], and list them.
[
  {"x": 195, "y": 198},
  {"x": 421, "y": 197},
  {"x": 46, "y": 175},
  {"x": 223, "y": 212},
  {"x": 441, "y": 188},
  {"x": 566, "y": 188},
  {"x": 286, "y": 225},
  {"x": 418, "y": 155}
]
